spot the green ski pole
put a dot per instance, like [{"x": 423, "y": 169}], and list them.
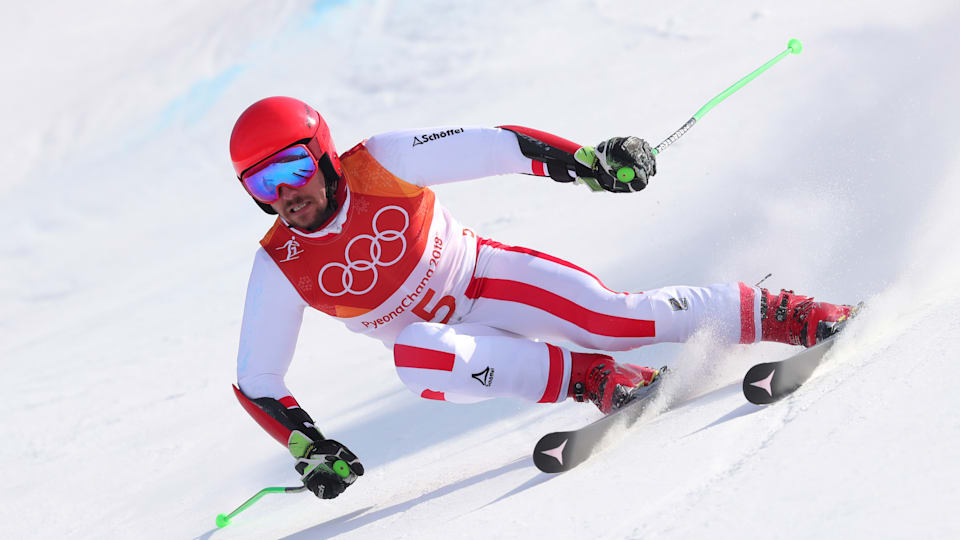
[
  {"x": 793, "y": 46},
  {"x": 224, "y": 519},
  {"x": 340, "y": 467}
]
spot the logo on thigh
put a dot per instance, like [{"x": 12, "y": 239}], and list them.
[{"x": 484, "y": 377}]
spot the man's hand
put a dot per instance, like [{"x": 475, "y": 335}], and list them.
[
  {"x": 620, "y": 165},
  {"x": 326, "y": 467}
]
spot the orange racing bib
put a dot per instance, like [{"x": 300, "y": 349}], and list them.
[{"x": 384, "y": 236}]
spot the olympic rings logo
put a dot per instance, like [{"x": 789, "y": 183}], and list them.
[{"x": 376, "y": 250}]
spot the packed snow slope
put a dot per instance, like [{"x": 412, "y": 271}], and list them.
[{"x": 128, "y": 243}]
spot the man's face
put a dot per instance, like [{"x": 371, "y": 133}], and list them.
[{"x": 306, "y": 207}]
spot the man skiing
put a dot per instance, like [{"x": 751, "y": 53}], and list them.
[{"x": 361, "y": 237}]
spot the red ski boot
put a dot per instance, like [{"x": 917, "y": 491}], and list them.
[
  {"x": 798, "y": 320},
  {"x": 607, "y": 384}
]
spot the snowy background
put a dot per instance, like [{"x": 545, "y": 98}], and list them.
[{"x": 129, "y": 243}]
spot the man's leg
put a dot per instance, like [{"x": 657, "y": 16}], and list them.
[
  {"x": 464, "y": 363},
  {"x": 527, "y": 294},
  {"x": 519, "y": 293},
  {"x": 533, "y": 294},
  {"x": 467, "y": 363}
]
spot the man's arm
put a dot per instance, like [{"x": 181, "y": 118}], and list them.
[
  {"x": 449, "y": 154},
  {"x": 272, "y": 315},
  {"x": 441, "y": 155}
]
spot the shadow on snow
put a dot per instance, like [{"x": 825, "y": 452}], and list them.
[{"x": 359, "y": 518}]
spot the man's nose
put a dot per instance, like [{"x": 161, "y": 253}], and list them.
[{"x": 284, "y": 191}]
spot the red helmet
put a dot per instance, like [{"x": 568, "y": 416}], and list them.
[{"x": 274, "y": 123}]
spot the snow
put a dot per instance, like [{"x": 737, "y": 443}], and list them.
[{"x": 128, "y": 247}]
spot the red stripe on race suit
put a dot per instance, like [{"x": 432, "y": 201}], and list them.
[
  {"x": 748, "y": 329},
  {"x": 533, "y": 253},
  {"x": 537, "y": 168},
  {"x": 594, "y": 322},
  {"x": 288, "y": 402},
  {"x": 418, "y": 357},
  {"x": 430, "y": 394},
  {"x": 555, "y": 377}
]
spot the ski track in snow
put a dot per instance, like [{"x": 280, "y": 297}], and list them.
[{"x": 129, "y": 244}]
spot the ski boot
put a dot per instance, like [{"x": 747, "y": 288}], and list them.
[
  {"x": 605, "y": 383},
  {"x": 798, "y": 320}
]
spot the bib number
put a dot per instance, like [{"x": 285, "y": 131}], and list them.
[{"x": 425, "y": 312}]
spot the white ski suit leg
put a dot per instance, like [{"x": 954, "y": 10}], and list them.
[
  {"x": 519, "y": 295},
  {"x": 464, "y": 363}
]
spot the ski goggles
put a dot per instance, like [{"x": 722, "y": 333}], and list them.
[{"x": 293, "y": 167}]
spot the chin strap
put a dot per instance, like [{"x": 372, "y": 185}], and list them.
[
  {"x": 333, "y": 185},
  {"x": 265, "y": 207}
]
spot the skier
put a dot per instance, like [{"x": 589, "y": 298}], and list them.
[{"x": 361, "y": 237}]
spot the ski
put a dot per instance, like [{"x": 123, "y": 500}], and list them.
[
  {"x": 772, "y": 381},
  {"x": 561, "y": 451}
]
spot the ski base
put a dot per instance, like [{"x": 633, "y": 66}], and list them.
[{"x": 563, "y": 450}]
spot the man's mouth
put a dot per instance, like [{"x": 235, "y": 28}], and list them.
[{"x": 298, "y": 207}]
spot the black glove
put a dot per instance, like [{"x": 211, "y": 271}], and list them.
[
  {"x": 326, "y": 467},
  {"x": 619, "y": 164}
]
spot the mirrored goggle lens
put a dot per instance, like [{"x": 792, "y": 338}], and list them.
[{"x": 292, "y": 167}]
